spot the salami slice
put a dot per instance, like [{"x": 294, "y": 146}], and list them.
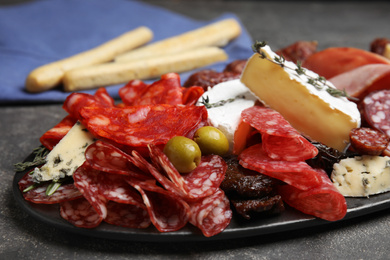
[
  {"x": 211, "y": 214},
  {"x": 80, "y": 213},
  {"x": 323, "y": 201},
  {"x": 298, "y": 174},
  {"x": 376, "y": 110},
  {"x": 140, "y": 125},
  {"x": 105, "y": 157},
  {"x": 280, "y": 140},
  {"x": 191, "y": 95},
  {"x": 86, "y": 180},
  {"x": 167, "y": 211},
  {"x": 132, "y": 91},
  {"x": 54, "y": 135},
  {"x": 127, "y": 215},
  {"x": 203, "y": 181},
  {"x": 368, "y": 141}
]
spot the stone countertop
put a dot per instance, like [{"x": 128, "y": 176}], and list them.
[{"x": 280, "y": 23}]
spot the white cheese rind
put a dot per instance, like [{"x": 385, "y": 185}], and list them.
[
  {"x": 66, "y": 156},
  {"x": 313, "y": 112},
  {"x": 227, "y": 117},
  {"x": 362, "y": 176}
]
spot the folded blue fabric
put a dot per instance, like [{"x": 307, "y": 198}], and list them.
[{"x": 40, "y": 32}]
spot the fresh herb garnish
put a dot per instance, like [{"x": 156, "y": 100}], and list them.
[
  {"x": 206, "y": 101},
  {"x": 318, "y": 82},
  {"x": 39, "y": 153}
]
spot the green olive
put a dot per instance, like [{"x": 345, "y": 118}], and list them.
[
  {"x": 211, "y": 141},
  {"x": 183, "y": 153}
]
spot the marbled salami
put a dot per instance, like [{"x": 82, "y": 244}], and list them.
[
  {"x": 211, "y": 214},
  {"x": 323, "y": 201},
  {"x": 127, "y": 215},
  {"x": 376, "y": 110},
  {"x": 80, "y": 213},
  {"x": 298, "y": 173},
  {"x": 368, "y": 141},
  {"x": 280, "y": 140}
]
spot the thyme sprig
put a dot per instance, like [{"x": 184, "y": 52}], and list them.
[
  {"x": 39, "y": 154},
  {"x": 206, "y": 101},
  {"x": 318, "y": 82}
]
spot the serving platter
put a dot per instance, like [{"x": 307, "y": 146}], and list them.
[{"x": 291, "y": 219}]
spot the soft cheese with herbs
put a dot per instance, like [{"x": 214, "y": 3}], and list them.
[
  {"x": 362, "y": 176},
  {"x": 66, "y": 156},
  {"x": 302, "y": 97},
  {"x": 224, "y": 103}
]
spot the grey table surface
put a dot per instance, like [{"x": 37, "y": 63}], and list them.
[{"x": 341, "y": 23}]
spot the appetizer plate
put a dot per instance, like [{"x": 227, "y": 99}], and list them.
[{"x": 289, "y": 220}]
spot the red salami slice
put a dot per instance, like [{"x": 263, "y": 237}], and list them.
[
  {"x": 54, "y": 135},
  {"x": 211, "y": 214},
  {"x": 191, "y": 95},
  {"x": 368, "y": 141},
  {"x": 26, "y": 181},
  {"x": 323, "y": 201},
  {"x": 166, "y": 211},
  {"x": 280, "y": 140},
  {"x": 140, "y": 125},
  {"x": 203, "y": 181},
  {"x": 376, "y": 110},
  {"x": 86, "y": 180},
  {"x": 299, "y": 174},
  {"x": 76, "y": 101},
  {"x": 105, "y": 157},
  {"x": 126, "y": 215},
  {"x": 132, "y": 91},
  {"x": 80, "y": 213}
]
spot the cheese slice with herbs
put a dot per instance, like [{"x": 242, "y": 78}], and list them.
[
  {"x": 301, "y": 98},
  {"x": 66, "y": 156},
  {"x": 362, "y": 176}
]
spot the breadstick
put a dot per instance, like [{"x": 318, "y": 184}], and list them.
[
  {"x": 216, "y": 34},
  {"x": 50, "y": 75},
  {"x": 118, "y": 73},
  {"x": 386, "y": 52}
]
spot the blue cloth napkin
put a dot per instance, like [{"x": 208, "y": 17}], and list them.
[{"x": 40, "y": 32}]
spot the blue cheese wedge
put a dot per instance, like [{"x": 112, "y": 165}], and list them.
[
  {"x": 66, "y": 156},
  {"x": 362, "y": 176},
  {"x": 303, "y": 99},
  {"x": 224, "y": 103}
]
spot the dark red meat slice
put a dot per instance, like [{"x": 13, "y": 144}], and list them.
[
  {"x": 299, "y": 173},
  {"x": 86, "y": 180},
  {"x": 140, "y": 125},
  {"x": 54, "y": 135},
  {"x": 323, "y": 201},
  {"x": 280, "y": 140},
  {"x": 203, "y": 181},
  {"x": 298, "y": 51},
  {"x": 166, "y": 211},
  {"x": 368, "y": 141},
  {"x": 127, "y": 215},
  {"x": 376, "y": 110},
  {"x": 26, "y": 181},
  {"x": 80, "y": 213},
  {"x": 105, "y": 157},
  {"x": 211, "y": 214},
  {"x": 209, "y": 78}
]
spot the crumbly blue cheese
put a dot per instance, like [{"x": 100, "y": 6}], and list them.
[
  {"x": 362, "y": 176},
  {"x": 66, "y": 156},
  {"x": 228, "y": 100}
]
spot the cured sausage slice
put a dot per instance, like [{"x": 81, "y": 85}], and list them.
[
  {"x": 64, "y": 193},
  {"x": 80, "y": 213},
  {"x": 127, "y": 215},
  {"x": 211, "y": 214},
  {"x": 191, "y": 95},
  {"x": 203, "y": 181},
  {"x": 54, "y": 135},
  {"x": 368, "y": 141},
  {"x": 299, "y": 173},
  {"x": 298, "y": 51},
  {"x": 167, "y": 90},
  {"x": 323, "y": 201},
  {"x": 166, "y": 211},
  {"x": 140, "y": 125},
  {"x": 280, "y": 140},
  {"x": 376, "y": 110},
  {"x": 86, "y": 180},
  {"x": 105, "y": 157}
]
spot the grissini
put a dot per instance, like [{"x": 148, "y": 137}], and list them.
[
  {"x": 215, "y": 34},
  {"x": 118, "y": 73},
  {"x": 50, "y": 75}
]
